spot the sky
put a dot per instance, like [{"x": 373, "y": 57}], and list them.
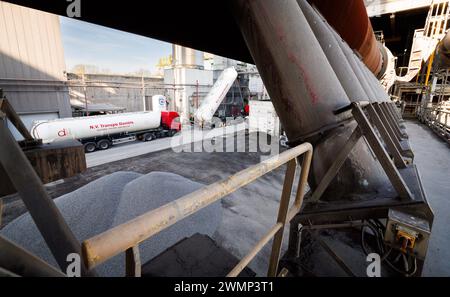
[{"x": 119, "y": 52}]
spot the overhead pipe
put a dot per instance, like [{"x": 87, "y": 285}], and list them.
[
  {"x": 349, "y": 18},
  {"x": 351, "y": 58},
  {"x": 381, "y": 93},
  {"x": 305, "y": 92},
  {"x": 367, "y": 74},
  {"x": 334, "y": 54},
  {"x": 338, "y": 61}
]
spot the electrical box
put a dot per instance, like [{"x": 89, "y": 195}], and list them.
[{"x": 407, "y": 233}]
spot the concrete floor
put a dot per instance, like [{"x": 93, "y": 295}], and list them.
[{"x": 432, "y": 157}]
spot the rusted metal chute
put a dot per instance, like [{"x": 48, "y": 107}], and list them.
[
  {"x": 334, "y": 54},
  {"x": 305, "y": 90}
]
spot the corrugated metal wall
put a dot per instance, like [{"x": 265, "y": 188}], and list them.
[
  {"x": 119, "y": 90},
  {"x": 32, "y": 67}
]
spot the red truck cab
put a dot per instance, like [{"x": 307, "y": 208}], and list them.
[{"x": 171, "y": 120}]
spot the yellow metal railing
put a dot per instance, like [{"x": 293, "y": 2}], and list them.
[{"x": 127, "y": 236}]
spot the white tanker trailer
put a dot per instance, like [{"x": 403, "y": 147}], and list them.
[
  {"x": 205, "y": 112},
  {"x": 102, "y": 131}
]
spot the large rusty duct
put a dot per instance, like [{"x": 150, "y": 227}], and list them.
[
  {"x": 442, "y": 59},
  {"x": 306, "y": 83}
]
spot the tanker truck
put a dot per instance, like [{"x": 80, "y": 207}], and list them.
[
  {"x": 103, "y": 131},
  {"x": 215, "y": 96}
]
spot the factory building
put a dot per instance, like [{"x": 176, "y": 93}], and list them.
[
  {"x": 32, "y": 67},
  {"x": 93, "y": 93},
  {"x": 193, "y": 73},
  {"x": 187, "y": 81}
]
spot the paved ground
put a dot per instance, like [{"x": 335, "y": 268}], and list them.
[
  {"x": 432, "y": 157},
  {"x": 137, "y": 148}
]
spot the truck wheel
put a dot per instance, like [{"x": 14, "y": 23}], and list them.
[
  {"x": 172, "y": 132},
  {"x": 103, "y": 144},
  {"x": 89, "y": 147},
  {"x": 148, "y": 136}
]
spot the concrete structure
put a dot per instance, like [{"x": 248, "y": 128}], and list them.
[
  {"x": 32, "y": 67},
  {"x": 256, "y": 87},
  {"x": 193, "y": 73},
  {"x": 186, "y": 88},
  {"x": 134, "y": 93},
  {"x": 186, "y": 81}
]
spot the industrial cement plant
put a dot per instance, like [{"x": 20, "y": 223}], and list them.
[{"x": 294, "y": 138}]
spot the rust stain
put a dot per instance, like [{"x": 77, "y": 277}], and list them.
[{"x": 281, "y": 36}]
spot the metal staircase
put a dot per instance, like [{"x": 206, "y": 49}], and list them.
[{"x": 425, "y": 40}]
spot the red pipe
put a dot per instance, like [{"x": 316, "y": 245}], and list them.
[{"x": 349, "y": 18}]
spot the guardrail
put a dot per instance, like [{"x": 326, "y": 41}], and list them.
[
  {"x": 127, "y": 236},
  {"x": 438, "y": 120}
]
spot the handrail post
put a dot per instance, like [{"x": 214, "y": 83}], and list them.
[
  {"x": 133, "y": 262},
  {"x": 282, "y": 217}
]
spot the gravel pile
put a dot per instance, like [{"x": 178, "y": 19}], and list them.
[{"x": 115, "y": 199}]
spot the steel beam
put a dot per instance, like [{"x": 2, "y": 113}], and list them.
[
  {"x": 378, "y": 123},
  {"x": 23, "y": 263},
  {"x": 43, "y": 210},
  {"x": 305, "y": 90}
]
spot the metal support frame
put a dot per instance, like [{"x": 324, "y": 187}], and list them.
[
  {"x": 331, "y": 252},
  {"x": 133, "y": 262},
  {"x": 375, "y": 143},
  {"x": 46, "y": 215},
  {"x": 410, "y": 197},
  {"x": 334, "y": 168},
  {"x": 23, "y": 263},
  {"x": 395, "y": 112},
  {"x": 394, "y": 124},
  {"x": 11, "y": 114},
  {"x": 394, "y": 137},
  {"x": 378, "y": 123},
  {"x": 365, "y": 129},
  {"x": 389, "y": 122},
  {"x": 1, "y": 211}
]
